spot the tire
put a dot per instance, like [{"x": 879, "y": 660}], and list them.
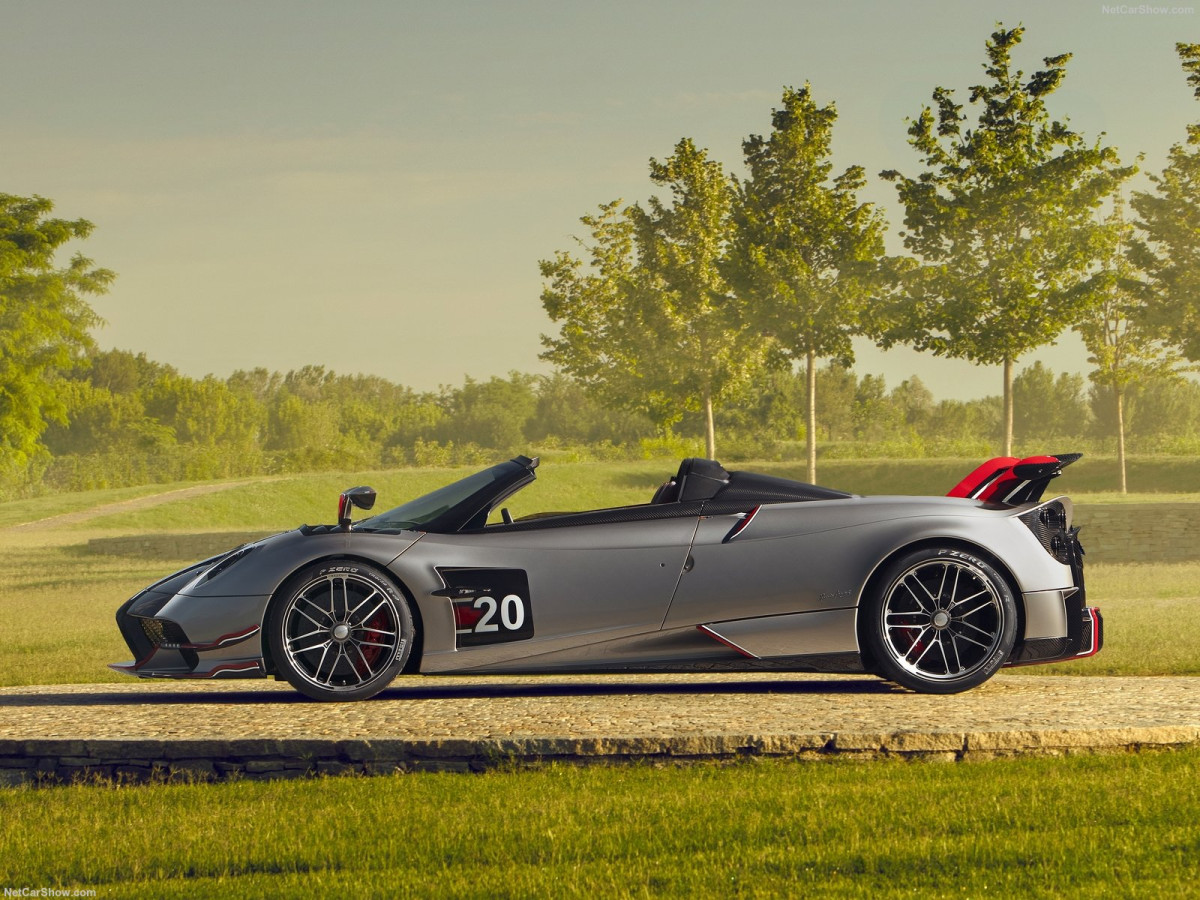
[
  {"x": 340, "y": 630},
  {"x": 943, "y": 622}
]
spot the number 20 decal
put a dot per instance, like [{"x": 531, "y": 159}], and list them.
[
  {"x": 512, "y": 613},
  {"x": 491, "y": 606}
]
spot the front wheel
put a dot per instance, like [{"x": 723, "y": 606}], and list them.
[
  {"x": 340, "y": 630},
  {"x": 944, "y": 621}
]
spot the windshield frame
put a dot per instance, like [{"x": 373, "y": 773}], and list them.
[{"x": 470, "y": 500}]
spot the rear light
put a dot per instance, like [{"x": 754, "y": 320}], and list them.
[{"x": 1049, "y": 526}]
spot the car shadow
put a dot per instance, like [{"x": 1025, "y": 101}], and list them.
[{"x": 565, "y": 688}]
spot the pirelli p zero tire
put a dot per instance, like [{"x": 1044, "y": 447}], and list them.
[
  {"x": 943, "y": 621},
  {"x": 340, "y": 630}
]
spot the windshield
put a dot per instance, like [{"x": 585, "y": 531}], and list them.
[{"x": 416, "y": 514}]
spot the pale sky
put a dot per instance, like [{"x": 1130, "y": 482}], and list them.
[{"x": 369, "y": 184}]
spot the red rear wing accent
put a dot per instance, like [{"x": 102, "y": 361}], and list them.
[
  {"x": 983, "y": 476},
  {"x": 1007, "y": 479}
]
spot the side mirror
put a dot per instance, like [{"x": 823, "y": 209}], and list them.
[{"x": 361, "y": 497}]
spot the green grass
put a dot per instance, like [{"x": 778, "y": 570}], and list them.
[
  {"x": 1080, "y": 826},
  {"x": 19, "y": 512},
  {"x": 280, "y": 503},
  {"x": 1151, "y": 621}
]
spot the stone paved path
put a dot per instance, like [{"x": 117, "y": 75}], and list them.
[{"x": 263, "y": 728}]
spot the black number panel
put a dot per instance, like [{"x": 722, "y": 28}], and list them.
[{"x": 491, "y": 606}]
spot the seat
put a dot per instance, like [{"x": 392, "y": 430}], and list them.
[{"x": 668, "y": 492}]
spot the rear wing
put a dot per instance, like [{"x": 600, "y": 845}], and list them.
[{"x": 1007, "y": 479}]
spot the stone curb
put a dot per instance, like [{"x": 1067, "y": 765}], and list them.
[
  {"x": 66, "y": 761},
  {"x": 132, "y": 732}
]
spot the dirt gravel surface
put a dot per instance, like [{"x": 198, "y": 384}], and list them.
[{"x": 608, "y": 714}]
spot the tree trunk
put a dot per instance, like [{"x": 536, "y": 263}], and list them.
[
  {"x": 810, "y": 418},
  {"x": 1120, "y": 392},
  {"x": 1008, "y": 407},
  {"x": 710, "y": 434}
]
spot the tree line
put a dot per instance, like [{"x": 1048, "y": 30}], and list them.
[
  {"x": 673, "y": 306},
  {"x": 729, "y": 304},
  {"x": 131, "y": 420}
]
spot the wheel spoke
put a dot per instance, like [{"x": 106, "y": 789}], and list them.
[
  {"x": 987, "y": 634},
  {"x": 299, "y": 650},
  {"x": 917, "y": 662},
  {"x": 954, "y": 647},
  {"x": 362, "y": 619},
  {"x": 333, "y": 668},
  {"x": 971, "y": 640},
  {"x": 366, "y": 665},
  {"x": 320, "y": 612},
  {"x": 376, "y": 631},
  {"x": 966, "y": 599},
  {"x": 942, "y": 649},
  {"x": 987, "y": 604},
  {"x": 387, "y": 646},
  {"x": 324, "y": 653},
  {"x": 350, "y": 613},
  {"x": 916, "y": 598}
]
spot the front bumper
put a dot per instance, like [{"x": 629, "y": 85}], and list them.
[{"x": 163, "y": 645}]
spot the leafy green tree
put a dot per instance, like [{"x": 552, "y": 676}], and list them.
[
  {"x": 1169, "y": 217},
  {"x": 914, "y": 402},
  {"x": 837, "y": 386},
  {"x": 805, "y": 252},
  {"x": 1157, "y": 411},
  {"x": 1002, "y": 220},
  {"x": 99, "y": 420},
  {"x": 875, "y": 417},
  {"x": 44, "y": 320},
  {"x": 1046, "y": 407},
  {"x": 651, "y": 322},
  {"x": 566, "y": 411},
  {"x": 1125, "y": 346},
  {"x": 491, "y": 413}
]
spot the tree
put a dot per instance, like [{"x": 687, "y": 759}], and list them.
[
  {"x": 1002, "y": 220},
  {"x": 492, "y": 413},
  {"x": 1170, "y": 219},
  {"x": 806, "y": 252},
  {"x": 44, "y": 320},
  {"x": 1124, "y": 346},
  {"x": 914, "y": 402},
  {"x": 652, "y": 323},
  {"x": 1046, "y": 407}
]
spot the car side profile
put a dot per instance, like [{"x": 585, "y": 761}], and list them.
[{"x": 718, "y": 571}]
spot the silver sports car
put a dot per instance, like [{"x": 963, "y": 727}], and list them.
[{"x": 718, "y": 571}]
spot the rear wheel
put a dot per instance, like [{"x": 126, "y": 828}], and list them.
[
  {"x": 944, "y": 621},
  {"x": 340, "y": 631}
]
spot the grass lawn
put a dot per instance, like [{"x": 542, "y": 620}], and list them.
[{"x": 1079, "y": 826}]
